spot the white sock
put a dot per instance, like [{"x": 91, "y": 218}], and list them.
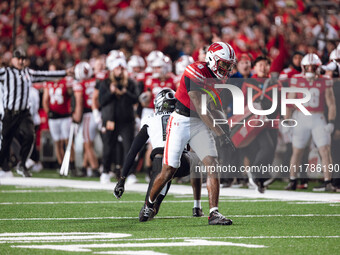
[
  {"x": 197, "y": 204},
  {"x": 213, "y": 209}
]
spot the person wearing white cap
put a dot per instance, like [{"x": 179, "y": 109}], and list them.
[{"x": 117, "y": 95}]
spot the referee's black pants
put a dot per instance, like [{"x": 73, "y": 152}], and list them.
[{"x": 19, "y": 125}]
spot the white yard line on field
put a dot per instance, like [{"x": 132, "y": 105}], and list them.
[
  {"x": 144, "y": 252},
  {"x": 186, "y": 243},
  {"x": 55, "y": 237},
  {"x": 171, "y": 217},
  {"x": 311, "y": 203}
]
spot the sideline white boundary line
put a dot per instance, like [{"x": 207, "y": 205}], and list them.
[
  {"x": 175, "y": 190},
  {"x": 47, "y": 191}
]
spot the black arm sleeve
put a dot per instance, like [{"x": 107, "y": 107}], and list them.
[{"x": 136, "y": 146}]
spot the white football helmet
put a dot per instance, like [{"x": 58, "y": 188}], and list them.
[
  {"x": 112, "y": 62},
  {"x": 135, "y": 61},
  {"x": 313, "y": 60},
  {"x": 114, "y": 54},
  {"x": 154, "y": 55},
  {"x": 117, "y": 54},
  {"x": 159, "y": 62},
  {"x": 221, "y": 59},
  {"x": 335, "y": 55},
  {"x": 83, "y": 71},
  {"x": 182, "y": 63}
]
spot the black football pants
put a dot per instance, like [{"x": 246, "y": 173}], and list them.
[{"x": 21, "y": 127}]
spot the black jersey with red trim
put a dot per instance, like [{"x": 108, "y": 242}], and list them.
[{"x": 196, "y": 76}]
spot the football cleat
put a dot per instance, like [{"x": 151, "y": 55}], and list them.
[
  {"x": 291, "y": 185},
  {"x": 146, "y": 213},
  {"x": 24, "y": 172},
  {"x": 325, "y": 187},
  {"x": 216, "y": 218},
  {"x": 260, "y": 186},
  {"x": 197, "y": 212}
]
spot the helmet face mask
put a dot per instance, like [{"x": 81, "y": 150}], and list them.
[
  {"x": 165, "y": 101},
  {"x": 224, "y": 68},
  {"x": 221, "y": 59}
]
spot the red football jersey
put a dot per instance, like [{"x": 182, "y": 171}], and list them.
[
  {"x": 317, "y": 89},
  {"x": 86, "y": 87},
  {"x": 156, "y": 85},
  {"x": 199, "y": 73},
  {"x": 60, "y": 100},
  {"x": 288, "y": 73}
]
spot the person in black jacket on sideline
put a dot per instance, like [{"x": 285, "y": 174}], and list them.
[{"x": 117, "y": 95}]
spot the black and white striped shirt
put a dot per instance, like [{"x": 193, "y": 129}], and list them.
[{"x": 16, "y": 83}]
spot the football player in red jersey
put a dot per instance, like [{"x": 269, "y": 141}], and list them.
[
  {"x": 314, "y": 125},
  {"x": 187, "y": 125},
  {"x": 83, "y": 91},
  {"x": 57, "y": 104},
  {"x": 154, "y": 84}
]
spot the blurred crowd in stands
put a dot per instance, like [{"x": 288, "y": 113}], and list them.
[{"x": 70, "y": 31}]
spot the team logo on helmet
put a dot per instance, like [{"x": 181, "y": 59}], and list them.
[{"x": 165, "y": 101}]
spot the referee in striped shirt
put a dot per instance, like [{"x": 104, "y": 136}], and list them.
[{"x": 15, "y": 82}]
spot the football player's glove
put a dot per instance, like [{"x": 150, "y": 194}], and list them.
[
  {"x": 225, "y": 140},
  {"x": 329, "y": 128},
  {"x": 119, "y": 189}
]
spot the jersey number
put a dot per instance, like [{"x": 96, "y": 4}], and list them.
[
  {"x": 56, "y": 96},
  {"x": 165, "y": 119},
  {"x": 89, "y": 92}
]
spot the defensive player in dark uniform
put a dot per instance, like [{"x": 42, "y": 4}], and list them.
[{"x": 154, "y": 127}]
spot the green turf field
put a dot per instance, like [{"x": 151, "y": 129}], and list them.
[{"x": 75, "y": 221}]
